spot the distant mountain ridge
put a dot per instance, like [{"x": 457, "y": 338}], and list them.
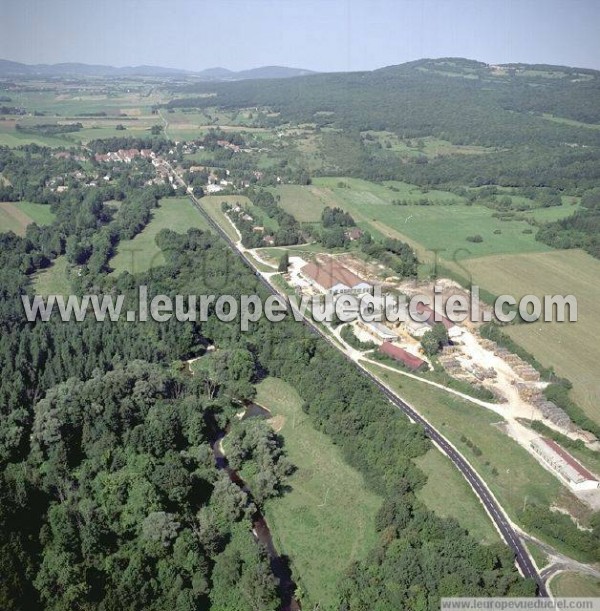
[{"x": 10, "y": 68}]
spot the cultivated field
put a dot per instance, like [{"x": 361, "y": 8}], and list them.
[
  {"x": 459, "y": 502},
  {"x": 15, "y": 216},
  {"x": 329, "y": 513},
  {"x": 571, "y": 348},
  {"x": 443, "y": 227},
  {"x": 141, "y": 253}
]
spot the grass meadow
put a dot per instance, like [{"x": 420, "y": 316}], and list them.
[
  {"x": 574, "y": 584},
  {"x": 462, "y": 505},
  {"x": 326, "y": 521},
  {"x": 53, "y": 280}
]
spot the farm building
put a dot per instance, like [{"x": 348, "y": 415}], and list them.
[
  {"x": 416, "y": 329},
  {"x": 560, "y": 461},
  {"x": 401, "y": 355},
  {"x": 378, "y": 331},
  {"x": 333, "y": 278}
]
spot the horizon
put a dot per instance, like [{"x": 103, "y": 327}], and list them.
[
  {"x": 299, "y": 68},
  {"x": 336, "y": 36}
]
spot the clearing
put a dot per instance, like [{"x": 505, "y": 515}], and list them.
[{"x": 53, "y": 280}]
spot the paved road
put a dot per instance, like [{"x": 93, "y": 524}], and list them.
[{"x": 496, "y": 513}]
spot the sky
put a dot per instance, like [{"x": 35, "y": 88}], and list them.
[{"x": 322, "y": 35}]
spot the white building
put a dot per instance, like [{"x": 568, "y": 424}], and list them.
[
  {"x": 564, "y": 465},
  {"x": 333, "y": 278},
  {"x": 378, "y": 330}
]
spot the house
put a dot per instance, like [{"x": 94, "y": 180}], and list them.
[
  {"x": 564, "y": 465},
  {"x": 354, "y": 234},
  {"x": 333, "y": 278},
  {"x": 258, "y": 229},
  {"x": 269, "y": 240},
  {"x": 402, "y": 356},
  {"x": 213, "y": 188}
]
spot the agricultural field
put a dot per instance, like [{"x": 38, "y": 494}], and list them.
[
  {"x": 512, "y": 474},
  {"x": 10, "y": 137},
  {"x": 329, "y": 512},
  {"x": 189, "y": 125},
  {"x": 571, "y": 348},
  {"x": 574, "y": 584},
  {"x": 15, "y": 216},
  {"x": 141, "y": 253},
  {"x": 301, "y": 202},
  {"x": 442, "y": 227},
  {"x": 53, "y": 280},
  {"x": 459, "y": 501}
]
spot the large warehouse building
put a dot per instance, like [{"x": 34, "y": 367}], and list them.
[
  {"x": 332, "y": 277},
  {"x": 574, "y": 474},
  {"x": 399, "y": 354}
]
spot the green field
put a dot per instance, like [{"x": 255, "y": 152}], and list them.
[
  {"x": 574, "y": 584},
  {"x": 443, "y": 227},
  {"x": 513, "y": 475},
  {"x": 15, "y": 216},
  {"x": 301, "y": 202},
  {"x": 458, "y": 501},
  {"x": 571, "y": 348},
  {"x": 141, "y": 253},
  {"x": 327, "y": 519},
  {"x": 54, "y": 280},
  {"x": 10, "y": 137}
]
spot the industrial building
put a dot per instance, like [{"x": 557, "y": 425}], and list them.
[
  {"x": 378, "y": 331},
  {"x": 333, "y": 278},
  {"x": 560, "y": 461},
  {"x": 399, "y": 354}
]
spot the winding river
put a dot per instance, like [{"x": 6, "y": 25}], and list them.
[{"x": 260, "y": 529}]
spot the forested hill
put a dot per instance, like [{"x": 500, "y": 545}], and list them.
[{"x": 464, "y": 101}]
